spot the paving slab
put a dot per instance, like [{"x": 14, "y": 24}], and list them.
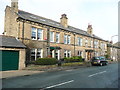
[{"x": 15, "y": 73}]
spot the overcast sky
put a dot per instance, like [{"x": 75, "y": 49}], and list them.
[{"x": 102, "y": 14}]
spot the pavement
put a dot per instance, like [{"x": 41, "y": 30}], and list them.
[{"x": 16, "y": 73}]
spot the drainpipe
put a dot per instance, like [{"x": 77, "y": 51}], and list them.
[
  {"x": 93, "y": 47},
  {"x": 23, "y": 31},
  {"x": 74, "y": 44},
  {"x": 48, "y": 41}
]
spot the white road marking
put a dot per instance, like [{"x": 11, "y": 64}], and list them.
[
  {"x": 60, "y": 84},
  {"x": 96, "y": 73}
]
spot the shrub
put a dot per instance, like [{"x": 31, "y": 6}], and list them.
[
  {"x": 73, "y": 59},
  {"x": 46, "y": 61},
  {"x": 107, "y": 56}
]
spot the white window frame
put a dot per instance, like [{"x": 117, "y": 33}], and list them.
[
  {"x": 36, "y": 51},
  {"x": 36, "y": 31},
  {"x": 69, "y": 52},
  {"x": 79, "y": 41},
  {"x": 65, "y": 39},
  {"x": 68, "y": 39},
  {"x": 65, "y": 51},
  {"x": 51, "y": 36},
  {"x": 41, "y": 38},
  {"x": 86, "y": 42},
  {"x": 91, "y": 43},
  {"x": 58, "y": 36},
  {"x": 35, "y": 34},
  {"x": 80, "y": 53}
]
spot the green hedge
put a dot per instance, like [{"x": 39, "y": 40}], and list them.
[
  {"x": 46, "y": 61},
  {"x": 73, "y": 59}
]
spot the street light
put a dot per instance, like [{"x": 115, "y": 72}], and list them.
[
  {"x": 112, "y": 37},
  {"x": 112, "y": 44}
]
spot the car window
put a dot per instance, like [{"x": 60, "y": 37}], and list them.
[
  {"x": 102, "y": 58},
  {"x": 95, "y": 58}
]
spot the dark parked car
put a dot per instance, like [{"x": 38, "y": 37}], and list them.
[{"x": 100, "y": 60}]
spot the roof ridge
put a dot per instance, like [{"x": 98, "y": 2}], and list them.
[{"x": 39, "y": 16}]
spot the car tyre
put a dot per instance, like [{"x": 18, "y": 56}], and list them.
[{"x": 101, "y": 64}]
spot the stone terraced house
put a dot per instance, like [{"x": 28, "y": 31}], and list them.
[{"x": 45, "y": 37}]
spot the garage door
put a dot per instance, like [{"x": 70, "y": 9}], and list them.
[{"x": 10, "y": 60}]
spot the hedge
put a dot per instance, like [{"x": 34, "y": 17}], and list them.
[
  {"x": 73, "y": 59},
  {"x": 46, "y": 61}
]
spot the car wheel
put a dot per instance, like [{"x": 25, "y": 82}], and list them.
[
  {"x": 106, "y": 63},
  {"x": 101, "y": 64},
  {"x": 92, "y": 64}
]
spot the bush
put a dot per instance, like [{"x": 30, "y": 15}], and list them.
[
  {"x": 46, "y": 61},
  {"x": 107, "y": 56},
  {"x": 73, "y": 59}
]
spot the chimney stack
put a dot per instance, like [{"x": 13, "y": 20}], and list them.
[
  {"x": 90, "y": 29},
  {"x": 14, "y": 5},
  {"x": 64, "y": 20}
]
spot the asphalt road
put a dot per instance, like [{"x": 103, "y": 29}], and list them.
[{"x": 89, "y": 77}]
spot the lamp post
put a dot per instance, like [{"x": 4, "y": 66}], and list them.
[{"x": 112, "y": 44}]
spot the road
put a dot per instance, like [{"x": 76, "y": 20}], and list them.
[{"x": 87, "y": 77}]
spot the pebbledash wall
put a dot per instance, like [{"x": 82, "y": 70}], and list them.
[{"x": 44, "y": 37}]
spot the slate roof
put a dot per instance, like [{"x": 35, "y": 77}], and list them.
[
  {"x": 10, "y": 42},
  {"x": 42, "y": 20}
]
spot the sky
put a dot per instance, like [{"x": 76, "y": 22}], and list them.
[{"x": 101, "y": 14}]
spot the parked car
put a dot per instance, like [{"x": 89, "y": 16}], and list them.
[{"x": 100, "y": 60}]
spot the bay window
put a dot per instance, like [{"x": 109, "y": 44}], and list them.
[{"x": 36, "y": 53}]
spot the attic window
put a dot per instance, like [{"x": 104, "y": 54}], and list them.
[
  {"x": 33, "y": 17},
  {"x": 42, "y": 19},
  {"x": 52, "y": 22}
]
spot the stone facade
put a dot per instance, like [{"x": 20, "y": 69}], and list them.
[{"x": 22, "y": 29}]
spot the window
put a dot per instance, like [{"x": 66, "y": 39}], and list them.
[
  {"x": 39, "y": 53},
  {"x": 69, "y": 53},
  {"x": 65, "y": 39},
  {"x": 86, "y": 42},
  {"x": 79, "y": 53},
  {"x": 51, "y": 36},
  {"x": 68, "y": 40},
  {"x": 91, "y": 43},
  {"x": 36, "y": 53},
  {"x": 34, "y": 33},
  {"x": 79, "y": 41},
  {"x": 96, "y": 44},
  {"x": 56, "y": 54},
  {"x": 65, "y": 53},
  {"x": 32, "y": 54},
  {"x": 57, "y": 37},
  {"x": 37, "y": 34},
  {"x": 40, "y": 34}
]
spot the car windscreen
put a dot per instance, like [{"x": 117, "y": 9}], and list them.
[
  {"x": 102, "y": 58},
  {"x": 95, "y": 58}
]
